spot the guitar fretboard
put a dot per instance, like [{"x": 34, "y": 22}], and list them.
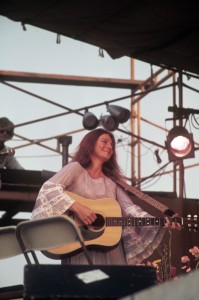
[{"x": 125, "y": 221}]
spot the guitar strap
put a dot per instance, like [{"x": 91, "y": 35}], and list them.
[{"x": 142, "y": 196}]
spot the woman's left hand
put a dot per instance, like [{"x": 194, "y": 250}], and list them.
[{"x": 173, "y": 225}]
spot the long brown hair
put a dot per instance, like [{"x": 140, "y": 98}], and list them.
[{"x": 85, "y": 149}]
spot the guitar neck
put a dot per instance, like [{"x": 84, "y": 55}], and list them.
[{"x": 126, "y": 221}]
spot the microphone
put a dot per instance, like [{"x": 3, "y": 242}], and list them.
[
  {"x": 9, "y": 151},
  {"x": 157, "y": 156}
]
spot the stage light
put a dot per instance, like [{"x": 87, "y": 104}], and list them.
[
  {"x": 109, "y": 122},
  {"x": 120, "y": 113},
  {"x": 90, "y": 121},
  {"x": 180, "y": 144}
]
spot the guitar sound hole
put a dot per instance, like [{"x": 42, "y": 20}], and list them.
[{"x": 98, "y": 223}]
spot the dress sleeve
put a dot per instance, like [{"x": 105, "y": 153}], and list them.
[
  {"x": 52, "y": 198},
  {"x": 139, "y": 242}
]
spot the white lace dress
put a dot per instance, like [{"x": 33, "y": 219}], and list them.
[{"x": 137, "y": 243}]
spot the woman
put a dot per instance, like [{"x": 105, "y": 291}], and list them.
[{"x": 92, "y": 174}]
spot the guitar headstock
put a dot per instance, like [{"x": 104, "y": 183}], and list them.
[{"x": 191, "y": 222}]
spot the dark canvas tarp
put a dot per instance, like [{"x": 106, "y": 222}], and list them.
[{"x": 164, "y": 33}]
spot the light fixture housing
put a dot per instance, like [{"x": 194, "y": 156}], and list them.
[
  {"x": 109, "y": 122},
  {"x": 122, "y": 114},
  {"x": 180, "y": 144},
  {"x": 90, "y": 121}
]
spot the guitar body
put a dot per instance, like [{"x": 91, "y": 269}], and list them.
[{"x": 98, "y": 234}]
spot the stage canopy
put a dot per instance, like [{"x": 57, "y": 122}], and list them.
[{"x": 163, "y": 33}]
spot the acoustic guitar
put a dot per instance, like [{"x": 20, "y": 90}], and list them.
[{"x": 106, "y": 231}]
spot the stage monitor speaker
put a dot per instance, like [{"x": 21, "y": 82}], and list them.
[
  {"x": 85, "y": 281},
  {"x": 185, "y": 287}
]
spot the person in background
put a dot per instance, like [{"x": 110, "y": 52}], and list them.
[
  {"x": 6, "y": 133},
  {"x": 92, "y": 174}
]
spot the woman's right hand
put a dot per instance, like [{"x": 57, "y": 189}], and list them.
[{"x": 85, "y": 214}]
